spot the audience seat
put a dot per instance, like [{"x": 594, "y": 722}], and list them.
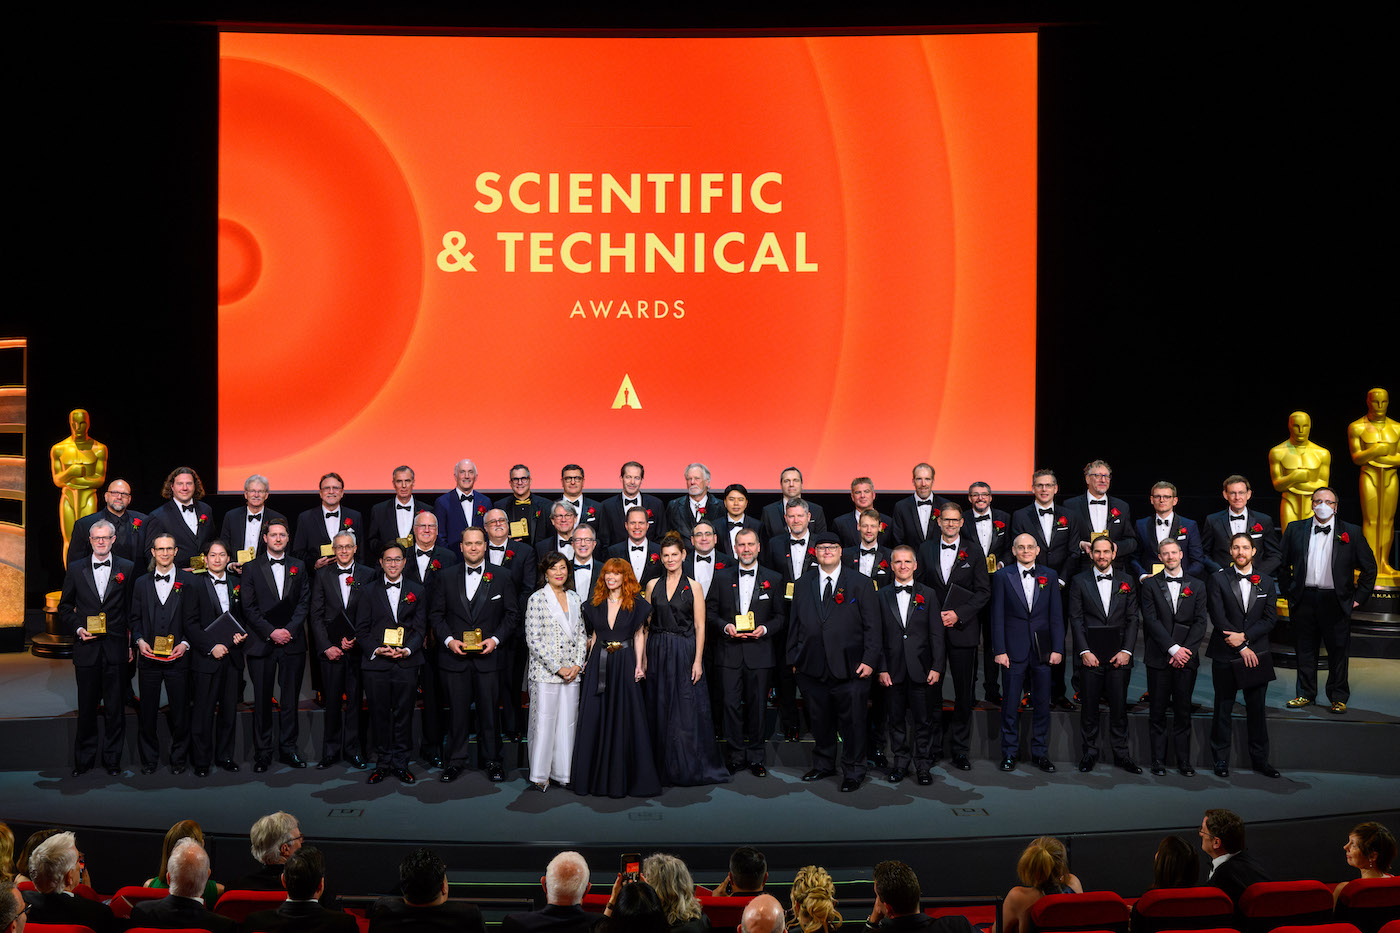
[
  {"x": 724, "y": 912},
  {"x": 131, "y": 895},
  {"x": 1369, "y": 902},
  {"x": 1319, "y": 928},
  {"x": 1391, "y": 927},
  {"x": 1182, "y": 909},
  {"x": 1266, "y": 905},
  {"x": 239, "y": 904},
  {"x": 594, "y": 903},
  {"x": 1071, "y": 913},
  {"x": 166, "y": 930},
  {"x": 57, "y": 927}
]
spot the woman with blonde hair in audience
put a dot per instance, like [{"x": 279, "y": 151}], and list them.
[
  {"x": 1043, "y": 869},
  {"x": 7, "y": 854},
  {"x": 814, "y": 901},
  {"x": 1370, "y": 848},
  {"x": 671, "y": 879},
  {"x": 185, "y": 829}
]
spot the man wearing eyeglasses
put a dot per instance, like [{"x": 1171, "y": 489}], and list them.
[
  {"x": 526, "y": 511},
  {"x": 587, "y": 512},
  {"x": 517, "y": 560},
  {"x": 12, "y": 910},
  {"x": 243, "y": 527},
  {"x": 317, "y": 527},
  {"x": 129, "y": 525}
]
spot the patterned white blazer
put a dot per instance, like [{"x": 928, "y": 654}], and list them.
[{"x": 554, "y": 640}]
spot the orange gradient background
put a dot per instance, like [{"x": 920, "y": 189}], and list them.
[{"x": 908, "y": 161}]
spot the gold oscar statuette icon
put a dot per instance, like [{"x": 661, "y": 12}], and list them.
[
  {"x": 1298, "y": 468},
  {"x": 1096, "y": 535},
  {"x": 744, "y": 623},
  {"x": 1374, "y": 443},
  {"x": 471, "y": 639},
  {"x": 79, "y": 467},
  {"x": 991, "y": 563},
  {"x": 393, "y": 637},
  {"x": 787, "y": 594},
  {"x": 404, "y": 542},
  {"x": 164, "y": 646},
  {"x": 97, "y": 625}
]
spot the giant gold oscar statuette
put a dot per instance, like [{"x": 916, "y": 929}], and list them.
[
  {"x": 1374, "y": 442},
  {"x": 1298, "y": 468},
  {"x": 79, "y": 467}
]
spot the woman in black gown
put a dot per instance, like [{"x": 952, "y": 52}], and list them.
[
  {"x": 677, "y": 699},
  {"x": 612, "y": 747}
]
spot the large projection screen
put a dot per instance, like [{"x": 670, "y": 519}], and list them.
[{"x": 746, "y": 251}]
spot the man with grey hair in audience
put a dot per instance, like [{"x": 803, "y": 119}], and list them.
[
  {"x": 565, "y": 883},
  {"x": 275, "y": 838},
  {"x": 763, "y": 914},
  {"x": 184, "y": 907},
  {"x": 12, "y": 910},
  {"x": 55, "y": 867}
]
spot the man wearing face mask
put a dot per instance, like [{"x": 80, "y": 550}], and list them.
[{"x": 1321, "y": 556}]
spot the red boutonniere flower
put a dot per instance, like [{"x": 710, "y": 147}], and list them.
[
  {"x": 652, "y": 558},
  {"x": 700, "y": 511},
  {"x": 1114, "y": 512},
  {"x": 235, "y": 591},
  {"x": 120, "y": 578},
  {"x": 178, "y": 586},
  {"x": 1257, "y": 527},
  {"x": 135, "y": 523},
  {"x": 648, "y": 513},
  {"x": 593, "y": 511},
  {"x": 410, "y": 598},
  {"x": 486, "y": 577},
  {"x": 292, "y": 571},
  {"x": 883, "y": 527},
  {"x": 1181, "y": 532},
  {"x": 812, "y": 552},
  {"x": 937, "y": 512},
  {"x": 962, "y": 555},
  {"x": 884, "y": 565},
  {"x": 685, "y": 588},
  {"x": 719, "y": 564},
  {"x": 998, "y": 524},
  {"x": 351, "y": 582},
  {"x": 510, "y": 555},
  {"x": 347, "y": 523},
  {"x": 1042, "y": 581},
  {"x": 203, "y": 519},
  {"x": 1254, "y": 578},
  {"x": 840, "y": 597},
  {"x": 1186, "y": 591},
  {"x": 481, "y": 510},
  {"x": 1061, "y": 521},
  {"x": 765, "y": 585},
  {"x": 1343, "y": 538},
  {"x": 1124, "y": 588},
  {"x": 435, "y": 565},
  {"x": 918, "y": 601}
]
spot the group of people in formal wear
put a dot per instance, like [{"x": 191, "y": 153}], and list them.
[{"x": 642, "y": 631}]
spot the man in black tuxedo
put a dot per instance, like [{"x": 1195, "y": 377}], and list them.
[
  {"x": 791, "y": 554},
  {"x": 956, "y": 570},
  {"x": 916, "y": 517},
  {"x": 424, "y": 907},
  {"x": 565, "y": 883},
  {"x": 775, "y": 513},
  {"x": 1231, "y": 867},
  {"x": 563, "y": 519},
  {"x": 748, "y": 595},
  {"x": 1239, "y": 517},
  {"x": 461, "y": 507},
  {"x": 637, "y": 549},
  {"x": 991, "y": 529},
  {"x": 1242, "y": 615},
  {"x": 317, "y": 527},
  {"x": 528, "y": 512},
  {"x": 612, "y": 527},
  {"x": 216, "y": 664},
  {"x": 586, "y": 567},
  {"x": 704, "y": 557},
  {"x": 868, "y": 555},
  {"x": 896, "y": 907},
  {"x": 1174, "y": 616},
  {"x": 698, "y": 502},
  {"x": 1028, "y": 633},
  {"x": 129, "y": 525},
  {"x": 273, "y": 840},
  {"x": 1327, "y": 571},
  {"x": 833, "y": 647},
  {"x": 1105, "y": 616},
  {"x": 473, "y": 596},
  {"x": 392, "y": 519},
  {"x": 97, "y": 594},
  {"x": 184, "y": 908},
  {"x": 335, "y": 595},
  {"x": 55, "y": 869},
  {"x": 12, "y": 908},
  {"x": 1101, "y": 514},
  {"x": 424, "y": 564},
  {"x": 276, "y": 598},
  {"x": 1165, "y": 522},
  {"x": 1056, "y": 533},
  {"x": 587, "y": 511},
  {"x": 911, "y": 661},
  {"x": 304, "y": 877},
  {"x": 184, "y": 516},
  {"x": 517, "y": 559},
  {"x": 735, "y": 518},
  {"x": 847, "y": 524},
  {"x": 390, "y": 628},
  {"x": 243, "y": 527},
  {"x": 158, "y": 615}
]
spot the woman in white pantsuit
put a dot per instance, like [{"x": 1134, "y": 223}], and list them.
[{"x": 557, "y": 642}]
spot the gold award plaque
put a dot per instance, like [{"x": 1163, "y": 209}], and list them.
[
  {"x": 520, "y": 529},
  {"x": 745, "y": 622},
  {"x": 788, "y": 593},
  {"x": 991, "y": 563},
  {"x": 328, "y": 550},
  {"x": 197, "y": 563},
  {"x": 97, "y": 625},
  {"x": 247, "y": 554},
  {"x": 404, "y": 542},
  {"x": 471, "y": 639},
  {"x": 164, "y": 646},
  {"x": 393, "y": 637}
]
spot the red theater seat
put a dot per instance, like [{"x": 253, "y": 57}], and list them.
[
  {"x": 163, "y": 930},
  {"x": 131, "y": 895},
  {"x": 1182, "y": 909},
  {"x": 239, "y": 904},
  {"x": 1369, "y": 902},
  {"x": 57, "y": 928},
  {"x": 1267, "y": 905},
  {"x": 1319, "y": 928},
  {"x": 724, "y": 912},
  {"x": 1072, "y": 913}
]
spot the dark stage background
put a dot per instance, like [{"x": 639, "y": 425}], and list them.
[{"x": 1210, "y": 196}]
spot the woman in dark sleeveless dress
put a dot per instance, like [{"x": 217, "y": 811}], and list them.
[
  {"x": 1043, "y": 869},
  {"x": 612, "y": 747},
  {"x": 677, "y": 698}
]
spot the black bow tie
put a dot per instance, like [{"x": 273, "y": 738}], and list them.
[
  {"x": 922, "y": 502},
  {"x": 629, "y": 502},
  {"x": 472, "y": 570},
  {"x": 639, "y": 547},
  {"x": 105, "y": 563},
  {"x": 387, "y": 584},
  {"x": 948, "y": 547},
  {"x": 1027, "y": 573},
  {"x": 1164, "y": 521},
  {"x": 1049, "y": 511},
  {"x": 406, "y": 508},
  {"x": 799, "y": 542},
  {"x": 864, "y": 552},
  {"x": 1322, "y": 529},
  {"x": 706, "y": 559},
  {"x": 904, "y": 589},
  {"x": 734, "y": 525},
  {"x": 982, "y": 518},
  {"x": 1240, "y": 576},
  {"x": 1238, "y": 518},
  {"x": 187, "y": 508},
  {"x": 563, "y": 544},
  {"x": 332, "y": 515},
  {"x": 418, "y": 553},
  {"x": 1102, "y": 577},
  {"x": 464, "y": 498},
  {"x": 255, "y": 518},
  {"x": 276, "y": 560},
  {"x": 1173, "y": 579},
  {"x": 747, "y": 573},
  {"x": 1098, "y": 502},
  {"x": 345, "y": 570},
  {"x": 496, "y": 547},
  {"x": 223, "y": 582},
  {"x": 162, "y": 578},
  {"x": 578, "y": 567}
]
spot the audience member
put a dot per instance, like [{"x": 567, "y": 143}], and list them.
[
  {"x": 304, "y": 877},
  {"x": 26, "y": 853},
  {"x": 7, "y": 854},
  {"x": 185, "y": 829},
  {"x": 748, "y": 874},
  {"x": 188, "y": 873},
  {"x": 55, "y": 868},
  {"x": 897, "y": 909},
  {"x": 565, "y": 883},
  {"x": 424, "y": 907},
  {"x": 1043, "y": 869},
  {"x": 633, "y": 908},
  {"x": 763, "y": 914},
  {"x": 1370, "y": 848},
  {"x": 814, "y": 901},
  {"x": 671, "y": 880},
  {"x": 275, "y": 838},
  {"x": 1175, "y": 865},
  {"x": 1231, "y": 867},
  {"x": 12, "y": 910}
]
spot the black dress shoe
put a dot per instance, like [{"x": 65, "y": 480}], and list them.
[
  {"x": 1064, "y": 703},
  {"x": 404, "y": 775},
  {"x": 816, "y": 774},
  {"x": 260, "y": 765},
  {"x": 292, "y": 760},
  {"x": 897, "y": 775},
  {"x": 757, "y": 769},
  {"x": 325, "y": 763},
  {"x": 1008, "y": 764},
  {"x": 81, "y": 770},
  {"x": 1045, "y": 764},
  {"x": 961, "y": 763},
  {"x": 201, "y": 771},
  {"x": 451, "y": 774},
  {"x": 148, "y": 769},
  {"x": 229, "y": 765},
  {"x": 849, "y": 784},
  {"x": 734, "y": 767},
  {"x": 1222, "y": 769},
  {"x": 1187, "y": 771},
  {"x": 178, "y": 769},
  {"x": 378, "y": 775},
  {"x": 924, "y": 778},
  {"x": 1267, "y": 770},
  {"x": 435, "y": 761},
  {"x": 994, "y": 699},
  {"x": 879, "y": 762},
  {"x": 356, "y": 762},
  {"x": 1128, "y": 765},
  {"x": 494, "y": 772},
  {"x": 1158, "y": 768},
  {"x": 1086, "y": 764}
]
